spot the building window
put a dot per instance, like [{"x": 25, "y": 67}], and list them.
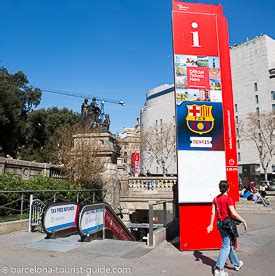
[
  {"x": 156, "y": 123},
  {"x": 256, "y": 99},
  {"x": 258, "y": 111},
  {"x": 174, "y": 119},
  {"x": 273, "y": 109},
  {"x": 255, "y": 86},
  {"x": 239, "y": 156},
  {"x": 157, "y": 168},
  {"x": 236, "y": 108},
  {"x": 238, "y": 133},
  {"x": 161, "y": 122},
  {"x": 237, "y": 119},
  {"x": 272, "y": 95},
  {"x": 238, "y": 144}
]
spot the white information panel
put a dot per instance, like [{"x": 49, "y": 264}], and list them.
[
  {"x": 199, "y": 175},
  {"x": 92, "y": 220},
  {"x": 59, "y": 217}
]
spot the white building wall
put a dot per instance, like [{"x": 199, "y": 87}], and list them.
[
  {"x": 159, "y": 109},
  {"x": 250, "y": 62}
]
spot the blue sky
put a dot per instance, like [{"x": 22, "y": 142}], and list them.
[{"x": 117, "y": 49}]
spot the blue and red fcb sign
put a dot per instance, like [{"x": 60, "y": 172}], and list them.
[
  {"x": 206, "y": 140},
  {"x": 199, "y": 118}
]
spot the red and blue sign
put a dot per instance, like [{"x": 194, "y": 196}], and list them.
[
  {"x": 206, "y": 139},
  {"x": 202, "y": 121}
]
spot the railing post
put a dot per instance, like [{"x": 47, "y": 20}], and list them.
[
  {"x": 22, "y": 206},
  {"x": 77, "y": 197},
  {"x": 30, "y": 213},
  {"x": 93, "y": 197},
  {"x": 54, "y": 197},
  {"x": 151, "y": 229},
  {"x": 164, "y": 213}
]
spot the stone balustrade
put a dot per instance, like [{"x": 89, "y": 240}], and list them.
[
  {"x": 22, "y": 168},
  {"x": 158, "y": 184}
]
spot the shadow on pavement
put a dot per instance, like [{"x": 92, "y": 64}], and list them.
[
  {"x": 205, "y": 260},
  {"x": 208, "y": 261}
]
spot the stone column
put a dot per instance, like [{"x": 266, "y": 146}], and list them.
[
  {"x": 2, "y": 165},
  {"x": 108, "y": 151}
]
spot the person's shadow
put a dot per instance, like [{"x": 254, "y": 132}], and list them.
[{"x": 206, "y": 260}]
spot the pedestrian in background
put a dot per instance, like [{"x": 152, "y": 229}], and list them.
[
  {"x": 223, "y": 207},
  {"x": 251, "y": 187},
  {"x": 264, "y": 185}
]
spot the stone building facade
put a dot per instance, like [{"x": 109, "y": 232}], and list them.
[
  {"x": 129, "y": 141},
  {"x": 253, "y": 77}
]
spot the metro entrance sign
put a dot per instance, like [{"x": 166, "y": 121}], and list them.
[{"x": 206, "y": 139}]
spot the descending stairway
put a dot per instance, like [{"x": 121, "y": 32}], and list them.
[{"x": 246, "y": 206}]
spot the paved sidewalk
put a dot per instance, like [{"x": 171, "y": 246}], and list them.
[{"x": 69, "y": 257}]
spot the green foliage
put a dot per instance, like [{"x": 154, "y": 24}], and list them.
[
  {"x": 26, "y": 133},
  {"x": 43, "y": 129},
  {"x": 10, "y": 182},
  {"x": 17, "y": 99},
  {"x": 13, "y": 182},
  {"x": 13, "y": 217}
]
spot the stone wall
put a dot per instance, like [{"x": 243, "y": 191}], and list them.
[
  {"x": 13, "y": 226},
  {"x": 25, "y": 169}
]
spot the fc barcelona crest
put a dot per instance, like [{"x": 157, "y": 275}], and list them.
[{"x": 199, "y": 118}]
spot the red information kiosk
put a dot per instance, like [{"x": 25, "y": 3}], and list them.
[{"x": 206, "y": 139}]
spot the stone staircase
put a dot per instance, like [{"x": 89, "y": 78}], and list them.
[{"x": 246, "y": 206}]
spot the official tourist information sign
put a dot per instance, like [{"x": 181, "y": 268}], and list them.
[{"x": 206, "y": 141}]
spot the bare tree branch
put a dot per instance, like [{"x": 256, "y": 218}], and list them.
[
  {"x": 81, "y": 159},
  {"x": 159, "y": 144},
  {"x": 259, "y": 129}
]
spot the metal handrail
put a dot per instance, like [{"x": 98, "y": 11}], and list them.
[
  {"x": 3, "y": 206},
  {"x": 31, "y": 192},
  {"x": 151, "y": 215}
]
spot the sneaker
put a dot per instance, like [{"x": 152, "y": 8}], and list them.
[
  {"x": 220, "y": 273},
  {"x": 238, "y": 267}
]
